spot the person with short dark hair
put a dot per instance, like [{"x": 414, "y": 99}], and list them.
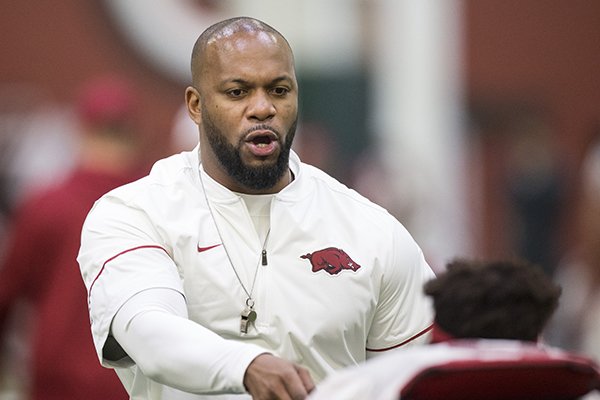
[
  {"x": 476, "y": 299},
  {"x": 489, "y": 316}
]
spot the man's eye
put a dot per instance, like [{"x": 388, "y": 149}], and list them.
[
  {"x": 280, "y": 91},
  {"x": 236, "y": 92}
]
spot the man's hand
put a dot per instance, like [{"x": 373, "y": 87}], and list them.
[{"x": 273, "y": 378}]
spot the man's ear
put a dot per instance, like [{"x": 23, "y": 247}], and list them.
[{"x": 192, "y": 101}]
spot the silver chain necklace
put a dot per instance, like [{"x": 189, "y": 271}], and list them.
[{"x": 248, "y": 314}]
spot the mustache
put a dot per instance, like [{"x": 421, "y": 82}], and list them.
[{"x": 262, "y": 127}]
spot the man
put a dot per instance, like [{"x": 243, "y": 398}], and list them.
[
  {"x": 236, "y": 268},
  {"x": 40, "y": 268},
  {"x": 485, "y": 312}
]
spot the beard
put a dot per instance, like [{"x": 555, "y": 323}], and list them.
[{"x": 256, "y": 178}]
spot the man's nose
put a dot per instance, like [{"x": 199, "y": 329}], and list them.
[{"x": 261, "y": 106}]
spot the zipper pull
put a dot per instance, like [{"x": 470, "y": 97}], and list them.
[{"x": 264, "y": 257}]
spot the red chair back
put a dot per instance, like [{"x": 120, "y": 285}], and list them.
[{"x": 538, "y": 375}]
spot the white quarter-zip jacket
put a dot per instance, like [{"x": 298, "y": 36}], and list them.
[{"x": 340, "y": 279}]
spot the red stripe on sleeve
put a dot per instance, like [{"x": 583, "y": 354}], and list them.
[
  {"x": 120, "y": 254},
  {"x": 410, "y": 339}
]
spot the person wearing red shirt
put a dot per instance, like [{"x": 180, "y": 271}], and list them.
[{"x": 40, "y": 264}]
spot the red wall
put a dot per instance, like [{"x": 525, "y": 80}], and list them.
[
  {"x": 541, "y": 52},
  {"x": 56, "y": 45}
]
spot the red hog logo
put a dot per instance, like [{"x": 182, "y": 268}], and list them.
[{"x": 331, "y": 260}]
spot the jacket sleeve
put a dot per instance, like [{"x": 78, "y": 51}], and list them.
[
  {"x": 168, "y": 348},
  {"x": 404, "y": 313},
  {"x": 125, "y": 263}
]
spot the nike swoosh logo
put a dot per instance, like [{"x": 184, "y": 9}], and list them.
[{"x": 201, "y": 249}]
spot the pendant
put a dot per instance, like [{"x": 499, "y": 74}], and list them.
[{"x": 247, "y": 317}]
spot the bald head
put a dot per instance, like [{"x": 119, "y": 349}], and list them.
[{"x": 225, "y": 30}]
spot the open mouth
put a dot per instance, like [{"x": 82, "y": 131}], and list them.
[{"x": 262, "y": 142}]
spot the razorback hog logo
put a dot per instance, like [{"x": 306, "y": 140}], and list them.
[{"x": 331, "y": 260}]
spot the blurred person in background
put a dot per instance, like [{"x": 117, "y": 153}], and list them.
[
  {"x": 535, "y": 189},
  {"x": 40, "y": 268},
  {"x": 37, "y": 144},
  {"x": 576, "y": 324},
  {"x": 37, "y": 148}
]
